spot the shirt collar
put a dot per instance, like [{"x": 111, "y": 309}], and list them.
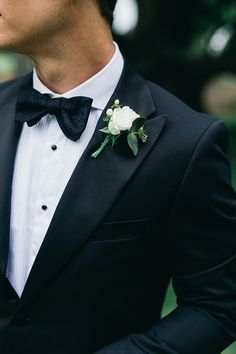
[{"x": 99, "y": 87}]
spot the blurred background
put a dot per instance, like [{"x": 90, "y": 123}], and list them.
[{"x": 186, "y": 46}]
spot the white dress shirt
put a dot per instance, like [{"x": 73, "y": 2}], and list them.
[{"x": 44, "y": 163}]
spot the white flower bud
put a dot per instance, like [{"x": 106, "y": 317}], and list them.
[
  {"x": 109, "y": 112},
  {"x": 117, "y": 102}
]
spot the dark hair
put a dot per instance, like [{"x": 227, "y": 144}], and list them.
[{"x": 107, "y": 8}]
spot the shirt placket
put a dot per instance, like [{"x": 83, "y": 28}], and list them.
[{"x": 46, "y": 188}]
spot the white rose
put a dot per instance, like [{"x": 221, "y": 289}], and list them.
[
  {"x": 113, "y": 129},
  {"x": 122, "y": 119}
]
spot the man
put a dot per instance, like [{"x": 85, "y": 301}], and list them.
[{"x": 88, "y": 245}]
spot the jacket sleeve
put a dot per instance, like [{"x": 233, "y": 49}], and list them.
[{"x": 202, "y": 231}]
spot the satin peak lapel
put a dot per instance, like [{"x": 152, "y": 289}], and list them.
[
  {"x": 9, "y": 136},
  {"x": 93, "y": 187}
]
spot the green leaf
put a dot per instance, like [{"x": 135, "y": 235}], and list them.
[
  {"x": 133, "y": 143},
  {"x": 137, "y": 124},
  {"x": 105, "y": 130}
]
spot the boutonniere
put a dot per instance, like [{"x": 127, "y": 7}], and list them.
[{"x": 122, "y": 120}]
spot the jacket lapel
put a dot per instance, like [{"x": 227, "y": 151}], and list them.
[
  {"x": 9, "y": 136},
  {"x": 90, "y": 193}
]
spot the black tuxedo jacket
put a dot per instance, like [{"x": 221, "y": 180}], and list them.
[{"x": 123, "y": 228}]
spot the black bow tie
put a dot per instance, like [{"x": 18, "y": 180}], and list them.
[{"x": 71, "y": 113}]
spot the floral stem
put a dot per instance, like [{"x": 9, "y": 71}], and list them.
[{"x": 102, "y": 147}]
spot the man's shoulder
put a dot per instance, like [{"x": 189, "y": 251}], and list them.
[
  {"x": 177, "y": 110},
  {"x": 8, "y": 89},
  {"x": 10, "y": 83},
  {"x": 185, "y": 127}
]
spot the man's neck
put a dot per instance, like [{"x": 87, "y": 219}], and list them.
[
  {"x": 73, "y": 59},
  {"x": 63, "y": 75}
]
